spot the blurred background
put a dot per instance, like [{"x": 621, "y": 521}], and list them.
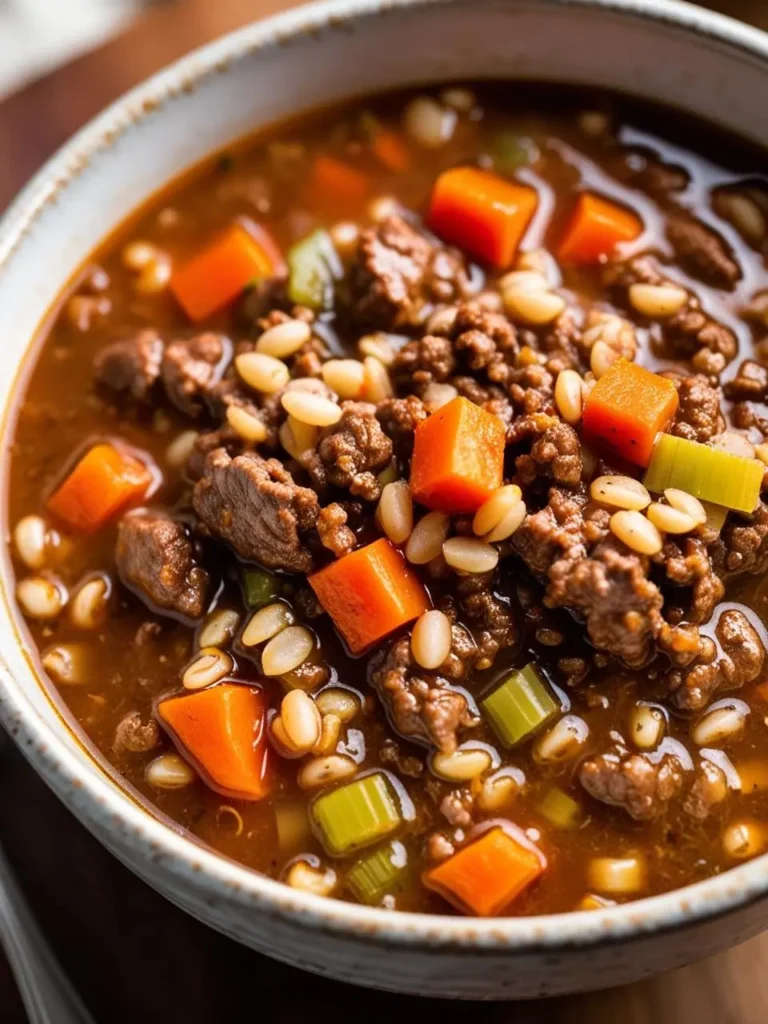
[{"x": 133, "y": 956}]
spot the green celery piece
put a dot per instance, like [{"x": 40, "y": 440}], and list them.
[
  {"x": 356, "y": 814},
  {"x": 521, "y": 705},
  {"x": 706, "y": 473},
  {"x": 260, "y": 587},
  {"x": 510, "y": 152},
  {"x": 371, "y": 878},
  {"x": 313, "y": 266},
  {"x": 560, "y": 810}
]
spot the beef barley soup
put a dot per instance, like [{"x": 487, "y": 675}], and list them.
[{"x": 385, "y": 501}]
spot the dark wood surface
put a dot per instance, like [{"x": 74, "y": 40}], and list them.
[{"x": 135, "y": 958}]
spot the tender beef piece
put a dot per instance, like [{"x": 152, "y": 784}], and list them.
[
  {"x": 593, "y": 575},
  {"x": 155, "y": 558},
  {"x": 255, "y": 505},
  {"x": 406, "y": 764},
  {"x": 641, "y": 787},
  {"x": 741, "y": 662},
  {"x": 687, "y": 564},
  {"x": 743, "y": 545},
  {"x": 420, "y": 704},
  {"x": 699, "y": 416},
  {"x": 333, "y": 531},
  {"x": 399, "y": 417},
  {"x": 350, "y": 452},
  {"x": 191, "y": 369},
  {"x": 398, "y": 273},
  {"x": 225, "y": 437},
  {"x": 749, "y": 384},
  {"x": 418, "y": 363},
  {"x": 710, "y": 787},
  {"x": 491, "y": 619},
  {"x": 555, "y": 452},
  {"x": 642, "y": 169},
  {"x": 136, "y": 735},
  {"x": 690, "y": 329},
  {"x": 702, "y": 251},
  {"x": 457, "y": 806},
  {"x": 484, "y": 343},
  {"x": 131, "y": 366}
]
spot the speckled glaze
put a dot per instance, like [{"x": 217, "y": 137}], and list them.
[{"x": 665, "y": 51}]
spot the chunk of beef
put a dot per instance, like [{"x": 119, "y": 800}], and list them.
[
  {"x": 421, "y": 705},
  {"x": 743, "y": 545},
  {"x": 593, "y": 575},
  {"x": 687, "y": 564},
  {"x": 398, "y": 273},
  {"x": 741, "y": 662},
  {"x": 555, "y": 453},
  {"x": 690, "y": 329},
  {"x": 333, "y": 531},
  {"x": 350, "y": 452},
  {"x": 419, "y": 363},
  {"x": 699, "y": 416},
  {"x": 155, "y": 558},
  {"x": 749, "y": 384},
  {"x": 710, "y": 787},
  {"x": 136, "y": 734},
  {"x": 642, "y": 169},
  {"x": 131, "y": 366},
  {"x": 192, "y": 368},
  {"x": 225, "y": 437},
  {"x": 491, "y": 619},
  {"x": 640, "y": 786},
  {"x": 399, "y": 417},
  {"x": 457, "y": 806},
  {"x": 255, "y": 505},
  {"x": 701, "y": 250}
]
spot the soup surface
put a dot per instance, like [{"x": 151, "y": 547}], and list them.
[{"x": 327, "y": 506}]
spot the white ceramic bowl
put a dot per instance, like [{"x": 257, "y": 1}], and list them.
[{"x": 662, "y": 50}]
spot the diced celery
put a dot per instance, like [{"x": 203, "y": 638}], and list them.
[
  {"x": 356, "y": 814},
  {"x": 521, "y": 705},
  {"x": 371, "y": 878},
  {"x": 260, "y": 587},
  {"x": 716, "y": 516},
  {"x": 511, "y": 151},
  {"x": 560, "y": 810},
  {"x": 706, "y": 473},
  {"x": 313, "y": 266}
]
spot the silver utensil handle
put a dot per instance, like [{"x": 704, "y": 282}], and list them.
[{"x": 46, "y": 992}]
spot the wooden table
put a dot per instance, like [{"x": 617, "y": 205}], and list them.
[{"x": 135, "y": 958}]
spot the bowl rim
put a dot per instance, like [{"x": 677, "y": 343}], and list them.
[{"x": 101, "y": 801}]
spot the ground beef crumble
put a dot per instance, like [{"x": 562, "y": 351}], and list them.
[
  {"x": 422, "y": 705},
  {"x": 192, "y": 368},
  {"x": 350, "y": 452},
  {"x": 636, "y": 783}
]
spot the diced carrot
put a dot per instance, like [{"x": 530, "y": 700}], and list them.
[
  {"x": 484, "y": 877},
  {"x": 596, "y": 228},
  {"x": 389, "y": 148},
  {"x": 458, "y": 458},
  {"x": 369, "y": 593},
  {"x": 481, "y": 213},
  {"x": 336, "y": 183},
  {"x": 218, "y": 274},
  {"x": 223, "y": 729},
  {"x": 103, "y": 483},
  {"x": 627, "y": 408}
]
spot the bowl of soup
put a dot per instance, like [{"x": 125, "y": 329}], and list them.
[{"x": 385, "y": 415}]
